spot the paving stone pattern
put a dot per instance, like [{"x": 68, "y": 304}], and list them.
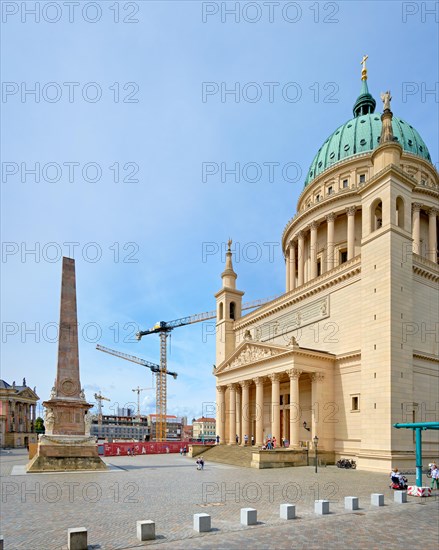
[{"x": 168, "y": 489}]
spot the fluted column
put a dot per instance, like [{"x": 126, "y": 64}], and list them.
[
  {"x": 287, "y": 269},
  {"x": 259, "y": 381},
  {"x": 245, "y": 385},
  {"x": 300, "y": 257},
  {"x": 330, "y": 218},
  {"x": 317, "y": 406},
  {"x": 416, "y": 227},
  {"x": 275, "y": 406},
  {"x": 292, "y": 265},
  {"x": 351, "y": 231},
  {"x": 232, "y": 414},
  {"x": 313, "y": 249},
  {"x": 220, "y": 413},
  {"x": 432, "y": 235},
  {"x": 238, "y": 414},
  {"x": 295, "y": 415}
]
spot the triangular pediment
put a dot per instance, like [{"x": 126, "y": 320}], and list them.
[
  {"x": 252, "y": 352},
  {"x": 27, "y": 393}
]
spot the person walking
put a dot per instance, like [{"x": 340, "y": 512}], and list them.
[
  {"x": 434, "y": 476},
  {"x": 237, "y": 439},
  {"x": 253, "y": 440},
  {"x": 246, "y": 440}
]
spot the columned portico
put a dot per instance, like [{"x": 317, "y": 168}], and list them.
[
  {"x": 317, "y": 405},
  {"x": 232, "y": 413},
  {"x": 330, "y": 242},
  {"x": 259, "y": 382},
  {"x": 300, "y": 258},
  {"x": 275, "y": 406},
  {"x": 238, "y": 414},
  {"x": 245, "y": 385},
  {"x": 313, "y": 249},
  {"x": 432, "y": 235},
  {"x": 416, "y": 224},
  {"x": 220, "y": 416},
  {"x": 351, "y": 231},
  {"x": 294, "y": 375},
  {"x": 292, "y": 255}
]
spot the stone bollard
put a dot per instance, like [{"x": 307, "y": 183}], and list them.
[
  {"x": 145, "y": 530},
  {"x": 377, "y": 499},
  {"x": 202, "y": 523},
  {"x": 321, "y": 507},
  {"x": 249, "y": 516},
  {"x": 287, "y": 511},
  {"x": 400, "y": 497},
  {"x": 77, "y": 538},
  {"x": 351, "y": 503},
  {"x": 1, "y": 543}
]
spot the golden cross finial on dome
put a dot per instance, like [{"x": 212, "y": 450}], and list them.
[
  {"x": 229, "y": 244},
  {"x": 364, "y": 70}
]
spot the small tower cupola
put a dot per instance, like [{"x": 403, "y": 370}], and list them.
[
  {"x": 228, "y": 275},
  {"x": 365, "y": 103}
]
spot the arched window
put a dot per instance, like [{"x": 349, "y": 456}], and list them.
[
  {"x": 376, "y": 215},
  {"x": 232, "y": 310},
  {"x": 400, "y": 212},
  {"x": 221, "y": 311}
]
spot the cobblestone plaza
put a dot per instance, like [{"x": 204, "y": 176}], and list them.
[{"x": 37, "y": 509}]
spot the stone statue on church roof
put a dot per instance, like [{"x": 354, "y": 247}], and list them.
[{"x": 386, "y": 98}]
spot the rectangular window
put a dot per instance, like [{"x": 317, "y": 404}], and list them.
[
  {"x": 319, "y": 268},
  {"x": 355, "y": 403},
  {"x": 330, "y": 190},
  {"x": 345, "y": 184},
  {"x": 343, "y": 256},
  {"x": 362, "y": 178}
]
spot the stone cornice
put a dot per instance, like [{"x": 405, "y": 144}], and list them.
[
  {"x": 316, "y": 286},
  {"x": 349, "y": 355},
  {"x": 425, "y": 356},
  {"x": 425, "y": 268}
]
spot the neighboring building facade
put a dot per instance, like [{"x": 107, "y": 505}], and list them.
[
  {"x": 174, "y": 427},
  {"x": 17, "y": 415},
  {"x": 204, "y": 428},
  {"x": 187, "y": 431},
  {"x": 121, "y": 427},
  {"x": 352, "y": 346}
]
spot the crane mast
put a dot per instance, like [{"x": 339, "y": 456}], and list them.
[
  {"x": 99, "y": 398},
  {"x": 161, "y": 374}
]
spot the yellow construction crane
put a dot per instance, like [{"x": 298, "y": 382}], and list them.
[
  {"x": 99, "y": 398},
  {"x": 163, "y": 329},
  {"x": 161, "y": 374}
]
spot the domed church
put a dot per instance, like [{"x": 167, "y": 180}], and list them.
[{"x": 351, "y": 347}]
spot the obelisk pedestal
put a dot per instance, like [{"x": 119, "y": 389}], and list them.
[{"x": 67, "y": 444}]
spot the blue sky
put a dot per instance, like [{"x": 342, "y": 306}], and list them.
[{"x": 140, "y": 254}]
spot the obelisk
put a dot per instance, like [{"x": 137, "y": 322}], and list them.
[{"x": 67, "y": 444}]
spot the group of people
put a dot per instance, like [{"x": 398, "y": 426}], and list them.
[
  {"x": 183, "y": 451},
  {"x": 246, "y": 439},
  {"x": 200, "y": 463},
  {"x": 399, "y": 481}
]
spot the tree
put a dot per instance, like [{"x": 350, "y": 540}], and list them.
[{"x": 39, "y": 425}]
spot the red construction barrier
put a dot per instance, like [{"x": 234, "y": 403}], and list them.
[{"x": 147, "y": 448}]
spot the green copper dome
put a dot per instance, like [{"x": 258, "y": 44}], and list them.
[{"x": 362, "y": 134}]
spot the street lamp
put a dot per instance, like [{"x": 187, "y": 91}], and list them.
[{"x": 316, "y": 441}]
